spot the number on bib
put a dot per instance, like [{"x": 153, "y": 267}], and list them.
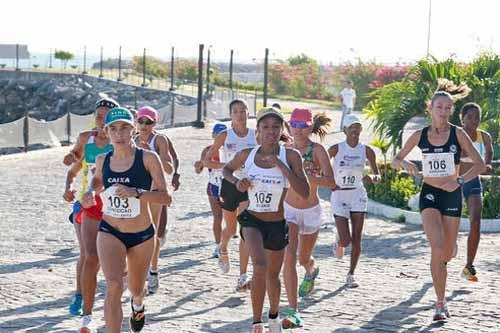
[
  {"x": 438, "y": 165},
  {"x": 115, "y": 206}
]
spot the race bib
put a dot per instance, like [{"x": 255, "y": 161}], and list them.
[
  {"x": 265, "y": 195},
  {"x": 348, "y": 178},
  {"x": 115, "y": 206},
  {"x": 215, "y": 177},
  {"x": 438, "y": 165}
]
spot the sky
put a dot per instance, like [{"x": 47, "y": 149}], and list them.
[{"x": 388, "y": 31}]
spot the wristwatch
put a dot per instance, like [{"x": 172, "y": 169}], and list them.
[
  {"x": 460, "y": 180},
  {"x": 139, "y": 192}
]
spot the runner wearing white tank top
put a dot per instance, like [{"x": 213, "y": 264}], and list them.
[
  {"x": 147, "y": 138},
  {"x": 270, "y": 169},
  {"x": 230, "y": 142},
  {"x": 349, "y": 199}
]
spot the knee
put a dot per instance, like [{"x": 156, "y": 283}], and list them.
[
  {"x": 356, "y": 243},
  {"x": 91, "y": 260},
  {"x": 230, "y": 229},
  {"x": 436, "y": 252},
  {"x": 447, "y": 255},
  {"x": 345, "y": 242},
  {"x": 291, "y": 256},
  {"x": 114, "y": 287},
  {"x": 259, "y": 268}
]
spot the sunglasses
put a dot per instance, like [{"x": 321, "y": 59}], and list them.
[
  {"x": 297, "y": 124},
  {"x": 143, "y": 121}
]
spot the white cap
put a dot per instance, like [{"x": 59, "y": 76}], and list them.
[{"x": 351, "y": 119}]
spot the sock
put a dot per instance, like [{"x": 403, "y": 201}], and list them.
[
  {"x": 257, "y": 322},
  {"x": 137, "y": 308},
  {"x": 273, "y": 316}
]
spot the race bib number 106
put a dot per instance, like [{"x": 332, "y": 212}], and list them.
[{"x": 438, "y": 165}]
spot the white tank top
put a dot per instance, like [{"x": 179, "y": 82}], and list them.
[
  {"x": 267, "y": 184},
  {"x": 151, "y": 143},
  {"x": 348, "y": 165},
  {"x": 234, "y": 144}
]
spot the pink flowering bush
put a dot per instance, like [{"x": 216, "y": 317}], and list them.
[{"x": 388, "y": 74}]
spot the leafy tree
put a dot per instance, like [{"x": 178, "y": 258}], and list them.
[
  {"x": 301, "y": 59},
  {"x": 64, "y": 56}
]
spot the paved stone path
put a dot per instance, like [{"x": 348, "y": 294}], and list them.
[{"x": 38, "y": 254}]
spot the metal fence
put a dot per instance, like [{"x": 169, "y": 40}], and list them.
[{"x": 180, "y": 100}]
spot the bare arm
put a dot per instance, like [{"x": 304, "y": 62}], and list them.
[
  {"x": 76, "y": 153},
  {"x": 235, "y": 164},
  {"x": 372, "y": 160},
  {"x": 399, "y": 163},
  {"x": 160, "y": 195},
  {"x": 488, "y": 156},
  {"x": 69, "y": 193},
  {"x": 164, "y": 153},
  {"x": 198, "y": 165},
  {"x": 175, "y": 159},
  {"x": 213, "y": 151}
]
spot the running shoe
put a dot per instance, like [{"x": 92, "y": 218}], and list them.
[
  {"x": 86, "y": 325},
  {"x": 216, "y": 252},
  {"x": 307, "y": 285},
  {"x": 224, "y": 262},
  {"x": 244, "y": 283},
  {"x": 292, "y": 320},
  {"x": 337, "y": 250},
  {"x": 258, "y": 328},
  {"x": 153, "y": 282},
  {"x": 137, "y": 318},
  {"x": 469, "y": 273},
  {"x": 440, "y": 313},
  {"x": 275, "y": 325},
  {"x": 350, "y": 282},
  {"x": 75, "y": 308}
]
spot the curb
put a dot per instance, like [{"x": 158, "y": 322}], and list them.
[{"x": 411, "y": 217}]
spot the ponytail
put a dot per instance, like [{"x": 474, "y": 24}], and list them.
[
  {"x": 321, "y": 123},
  {"x": 449, "y": 89}
]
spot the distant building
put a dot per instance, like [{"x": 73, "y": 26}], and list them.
[{"x": 8, "y": 51}]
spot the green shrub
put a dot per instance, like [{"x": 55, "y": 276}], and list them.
[
  {"x": 491, "y": 202},
  {"x": 394, "y": 189},
  {"x": 394, "y": 104}
]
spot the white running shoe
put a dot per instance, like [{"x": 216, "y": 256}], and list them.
[
  {"x": 216, "y": 252},
  {"x": 351, "y": 282},
  {"x": 224, "y": 263},
  {"x": 87, "y": 325},
  {"x": 244, "y": 283},
  {"x": 153, "y": 282},
  {"x": 275, "y": 325},
  {"x": 258, "y": 328},
  {"x": 337, "y": 250}
]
